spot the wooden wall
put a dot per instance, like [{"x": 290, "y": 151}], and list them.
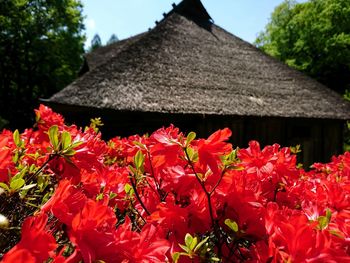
[{"x": 319, "y": 138}]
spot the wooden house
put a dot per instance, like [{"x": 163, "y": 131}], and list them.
[{"x": 192, "y": 73}]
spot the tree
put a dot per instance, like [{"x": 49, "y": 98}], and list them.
[
  {"x": 112, "y": 39},
  {"x": 313, "y": 37},
  {"x": 95, "y": 43},
  {"x": 41, "y": 47}
]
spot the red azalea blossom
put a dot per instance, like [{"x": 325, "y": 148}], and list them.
[
  {"x": 36, "y": 244},
  {"x": 168, "y": 197},
  {"x": 4, "y": 158}
]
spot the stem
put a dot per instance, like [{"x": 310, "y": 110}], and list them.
[
  {"x": 137, "y": 194},
  {"x": 144, "y": 220},
  {"x": 33, "y": 205},
  {"x": 204, "y": 189},
  {"x": 218, "y": 182},
  {"x": 159, "y": 191},
  {"x": 51, "y": 157},
  {"x": 208, "y": 194},
  {"x": 275, "y": 194}
]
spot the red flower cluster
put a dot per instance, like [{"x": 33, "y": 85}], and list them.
[{"x": 168, "y": 197}]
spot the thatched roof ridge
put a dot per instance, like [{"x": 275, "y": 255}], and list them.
[
  {"x": 187, "y": 65},
  {"x": 104, "y": 53}
]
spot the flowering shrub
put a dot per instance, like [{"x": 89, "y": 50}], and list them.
[{"x": 69, "y": 196}]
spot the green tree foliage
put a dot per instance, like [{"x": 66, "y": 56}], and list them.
[
  {"x": 313, "y": 37},
  {"x": 95, "y": 42},
  {"x": 112, "y": 39},
  {"x": 41, "y": 47}
]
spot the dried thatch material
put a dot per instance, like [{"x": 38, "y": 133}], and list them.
[{"x": 187, "y": 64}]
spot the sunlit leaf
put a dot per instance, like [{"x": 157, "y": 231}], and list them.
[
  {"x": 53, "y": 136},
  {"x": 17, "y": 139},
  {"x": 66, "y": 140},
  {"x": 139, "y": 159},
  {"x": 190, "y": 137},
  {"x": 231, "y": 224},
  {"x": 17, "y": 184}
]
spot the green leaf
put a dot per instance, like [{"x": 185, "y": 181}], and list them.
[
  {"x": 20, "y": 174},
  {"x": 128, "y": 189},
  {"x": 236, "y": 168},
  {"x": 15, "y": 157},
  {"x": 45, "y": 198},
  {"x": 328, "y": 214},
  {"x": 76, "y": 144},
  {"x": 142, "y": 146},
  {"x": 27, "y": 187},
  {"x": 194, "y": 243},
  {"x": 232, "y": 156},
  {"x": 188, "y": 240},
  {"x": 32, "y": 168},
  {"x": 200, "y": 244},
  {"x": 175, "y": 257},
  {"x": 215, "y": 259},
  {"x": 190, "y": 137},
  {"x": 17, "y": 184},
  {"x": 336, "y": 233},
  {"x": 69, "y": 153},
  {"x": 17, "y": 139},
  {"x": 231, "y": 224},
  {"x": 112, "y": 195},
  {"x": 192, "y": 154},
  {"x": 139, "y": 159},
  {"x": 53, "y": 136},
  {"x": 132, "y": 169},
  {"x": 99, "y": 196},
  {"x": 186, "y": 249},
  {"x": 322, "y": 221},
  {"x": 66, "y": 140},
  {"x": 295, "y": 149},
  {"x": 5, "y": 187},
  {"x": 42, "y": 183}
]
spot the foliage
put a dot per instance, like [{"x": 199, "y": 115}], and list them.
[
  {"x": 95, "y": 43},
  {"x": 41, "y": 44},
  {"x": 313, "y": 37},
  {"x": 112, "y": 39},
  {"x": 166, "y": 197}
]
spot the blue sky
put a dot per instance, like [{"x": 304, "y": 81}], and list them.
[{"x": 125, "y": 18}]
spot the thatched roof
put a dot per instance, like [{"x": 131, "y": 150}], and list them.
[
  {"x": 104, "y": 53},
  {"x": 187, "y": 64}
]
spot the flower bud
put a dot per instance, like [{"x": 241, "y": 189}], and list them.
[{"x": 4, "y": 222}]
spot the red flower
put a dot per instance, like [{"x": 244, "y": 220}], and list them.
[
  {"x": 5, "y": 158},
  {"x": 211, "y": 149},
  {"x": 66, "y": 202},
  {"x": 36, "y": 244},
  {"x": 179, "y": 220},
  {"x": 293, "y": 238},
  {"x": 46, "y": 118},
  {"x": 92, "y": 231},
  {"x": 152, "y": 246},
  {"x": 257, "y": 161},
  {"x": 172, "y": 218}
]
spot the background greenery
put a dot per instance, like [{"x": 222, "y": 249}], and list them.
[
  {"x": 41, "y": 47},
  {"x": 313, "y": 37}
]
